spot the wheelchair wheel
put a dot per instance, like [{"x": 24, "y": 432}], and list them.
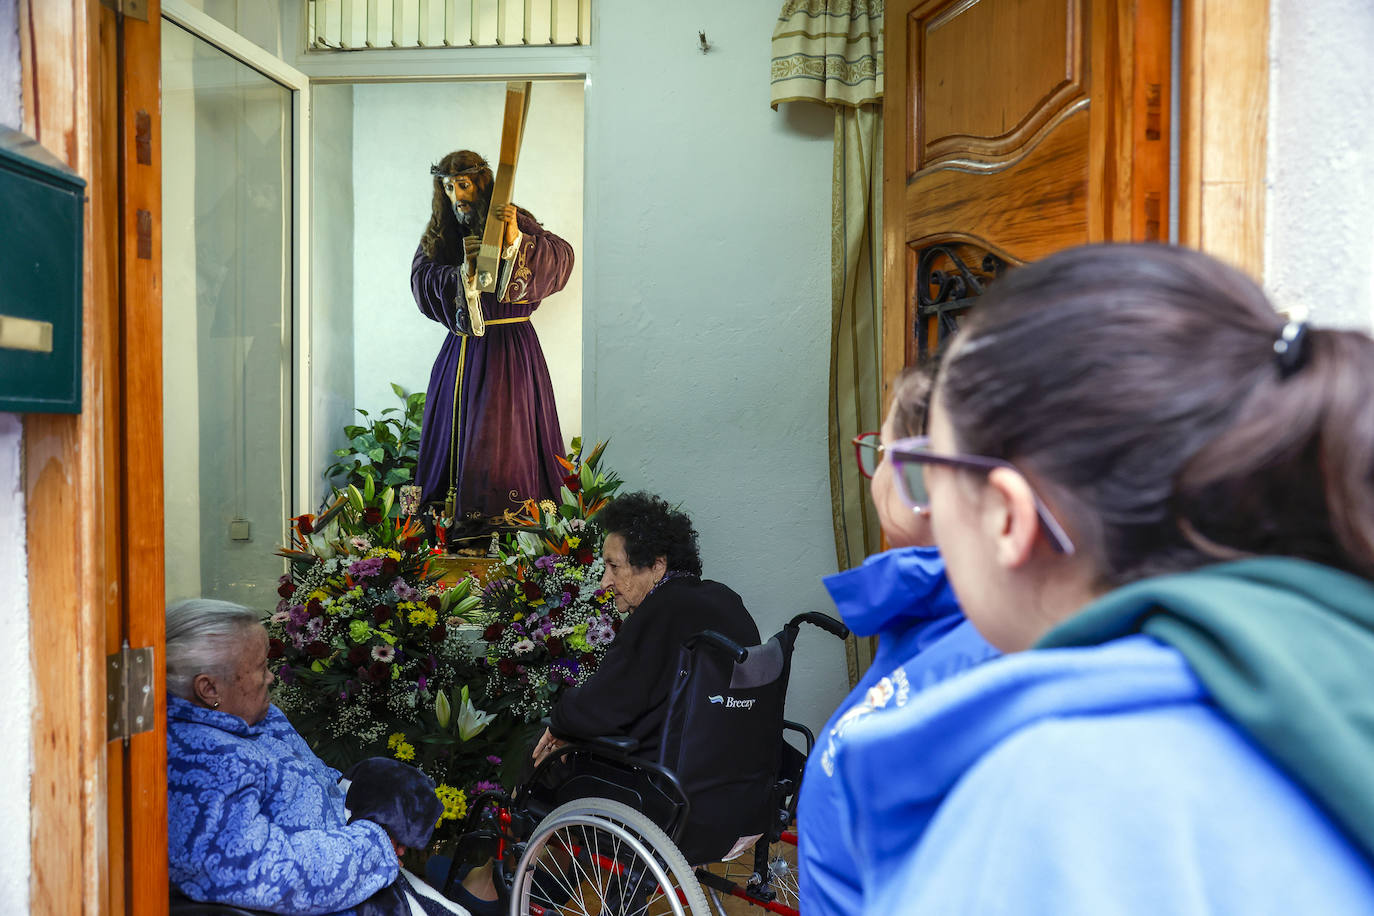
[
  {"x": 595, "y": 856},
  {"x": 782, "y": 872}
]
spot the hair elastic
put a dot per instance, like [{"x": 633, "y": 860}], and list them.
[{"x": 1290, "y": 349}]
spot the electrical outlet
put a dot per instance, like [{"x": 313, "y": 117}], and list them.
[{"x": 239, "y": 530}]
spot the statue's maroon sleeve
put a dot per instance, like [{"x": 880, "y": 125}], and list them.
[
  {"x": 436, "y": 287},
  {"x": 542, "y": 265}
]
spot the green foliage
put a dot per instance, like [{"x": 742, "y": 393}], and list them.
[{"x": 382, "y": 451}]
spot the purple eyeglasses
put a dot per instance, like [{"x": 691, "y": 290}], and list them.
[{"x": 909, "y": 456}]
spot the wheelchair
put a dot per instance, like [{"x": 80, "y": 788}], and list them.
[{"x": 596, "y": 830}]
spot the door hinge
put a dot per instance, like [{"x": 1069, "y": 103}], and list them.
[
  {"x": 128, "y": 693},
  {"x": 134, "y": 9}
]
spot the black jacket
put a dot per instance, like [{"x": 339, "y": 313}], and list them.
[{"x": 628, "y": 694}]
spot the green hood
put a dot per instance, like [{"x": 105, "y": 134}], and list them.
[{"x": 1286, "y": 648}]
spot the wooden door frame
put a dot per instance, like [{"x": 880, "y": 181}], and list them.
[
  {"x": 93, "y": 482},
  {"x": 1223, "y": 90}
]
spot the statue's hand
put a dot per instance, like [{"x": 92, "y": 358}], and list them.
[{"x": 507, "y": 214}]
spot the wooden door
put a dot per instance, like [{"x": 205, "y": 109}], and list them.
[
  {"x": 93, "y": 481},
  {"x": 1014, "y": 128}
]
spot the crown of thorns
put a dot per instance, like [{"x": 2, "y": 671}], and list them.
[{"x": 438, "y": 172}]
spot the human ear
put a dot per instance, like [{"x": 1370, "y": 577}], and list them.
[
  {"x": 660, "y": 567},
  {"x": 1010, "y": 516},
  {"x": 205, "y": 689}
]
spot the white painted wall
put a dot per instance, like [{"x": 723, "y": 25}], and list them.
[
  {"x": 16, "y": 760},
  {"x": 181, "y": 442},
  {"x": 708, "y": 303},
  {"x": 400, "y": 130},
  {"x": 1320, "y": 219},
  {"x": 331, "y": 276}
]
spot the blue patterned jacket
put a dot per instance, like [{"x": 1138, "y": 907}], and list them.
[{"x": 256, "y": 820}]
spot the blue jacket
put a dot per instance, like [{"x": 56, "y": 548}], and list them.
[
  {"x": 1083, "y": 781},
  {"x": 254, "y": 819},
  {"x": 903, "y": 597}
]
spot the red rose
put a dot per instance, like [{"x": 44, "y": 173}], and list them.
[
  {"x": 390, "y": 567},
  {"x": 555, "y": 646},
  {"x": 437, "y": 634},
  {"x": 587, "y": 660},
  {"x": 357, "y": 656},
  {"x": 493, "y": 632},
  {"x": 573, "y": 483},
  {"x": 411, "y": 544},
  {"x": 381, "y": 613},
  {"x": 314, "y": 608},
  {"x": 372, "y": 516},
  {"x": 556, "y": 615},
  {"x": 584, "y": 556},
  {"x": 379, "y": 671},
  {"x": 434, "y": 603},
  {"x": 276, "y": 648},
  {"x": 317, "y": 649},
  {"x": 532, "y": 592},
  {"x": 615, "y": 624},
  {"x": 286, "y": 589},
  {"x": 506, "y": 667}
]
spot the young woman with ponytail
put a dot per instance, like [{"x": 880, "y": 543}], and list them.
[{"x": 1156, "y": 494}]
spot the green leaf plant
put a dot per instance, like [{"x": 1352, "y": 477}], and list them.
[{"x": 383, "y": 451}]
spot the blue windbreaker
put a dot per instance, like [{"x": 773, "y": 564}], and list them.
[
  {"x": 903, "y": 597},
  {"x": 1096, "y": 780}
]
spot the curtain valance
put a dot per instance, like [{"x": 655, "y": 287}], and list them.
[{"x": 828, "y": 51}]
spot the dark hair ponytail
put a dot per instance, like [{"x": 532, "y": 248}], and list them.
[
  {"x": 1139, "y": 387},
  {"x": 1294, "y": 474}
]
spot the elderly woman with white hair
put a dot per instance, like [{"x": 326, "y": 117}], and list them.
[{"x": 255, "y": 819}]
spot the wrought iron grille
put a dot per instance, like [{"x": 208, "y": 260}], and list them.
[
  {"x": 947, "y": 287},
  {"x": 361, "y": 25}
]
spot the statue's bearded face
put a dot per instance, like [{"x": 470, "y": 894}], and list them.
[{"x": 468, "y": 201}]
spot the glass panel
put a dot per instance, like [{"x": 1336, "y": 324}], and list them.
[{"x": 227, "y": 269}]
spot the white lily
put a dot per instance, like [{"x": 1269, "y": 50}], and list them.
[
  {"x": 471, "y": 720},
  {"x": 442, "y": 711}
]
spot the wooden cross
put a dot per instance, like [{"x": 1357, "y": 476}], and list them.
[{"x": 482, "y": 279}]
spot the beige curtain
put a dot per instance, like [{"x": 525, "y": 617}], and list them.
[{"x": 831, "y": 52}]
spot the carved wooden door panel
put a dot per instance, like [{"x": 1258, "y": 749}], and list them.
[{"x": 1014, "y": 128}]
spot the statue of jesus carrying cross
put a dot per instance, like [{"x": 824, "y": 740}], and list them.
[{"x": 490, "y": 438}]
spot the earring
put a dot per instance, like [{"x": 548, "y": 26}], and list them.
[{"x": 215, "y": 705}]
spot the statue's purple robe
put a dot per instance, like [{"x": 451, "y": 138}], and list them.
[{"x": 509, "y": 440}]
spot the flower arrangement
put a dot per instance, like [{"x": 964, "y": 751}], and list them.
[
  {"x": 374, "y": 656},
  {"x": 548, "y": 621}
]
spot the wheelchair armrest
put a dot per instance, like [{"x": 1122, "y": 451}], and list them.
[
  {"x": 719, "y": 642},
  {"x": 620, "y": 745}
]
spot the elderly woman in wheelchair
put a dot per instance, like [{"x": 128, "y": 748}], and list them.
[
  {"x": 256, "y": 822},
  {"x": 671, "y": 756}
]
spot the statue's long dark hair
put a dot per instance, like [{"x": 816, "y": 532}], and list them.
[{"x": 443, "y": 238}]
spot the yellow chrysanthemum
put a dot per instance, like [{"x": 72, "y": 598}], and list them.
[
  {"x": 427, "y": 616},
  {"x": 394, "y": 739},
  {"x": 404, "y": 751},
  {"x": 455, "y": 802},
  {"x": 317, "y": 594},
  {"x": 574, "y": 541}
]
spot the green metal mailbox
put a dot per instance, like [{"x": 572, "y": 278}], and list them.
[{"x": 41, "y": 202}]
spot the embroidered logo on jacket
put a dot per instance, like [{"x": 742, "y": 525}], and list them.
[{"x": 731, "y": 702}]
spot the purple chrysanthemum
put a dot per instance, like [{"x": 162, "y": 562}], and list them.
[{"x": 360, "y": 569}]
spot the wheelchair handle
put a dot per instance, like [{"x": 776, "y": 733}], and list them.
[
  {"x": 719, "y": 641},
  {"x": 824, "y": 621}
]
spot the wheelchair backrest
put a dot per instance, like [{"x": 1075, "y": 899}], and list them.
[{"x": 723, "y": 736}]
